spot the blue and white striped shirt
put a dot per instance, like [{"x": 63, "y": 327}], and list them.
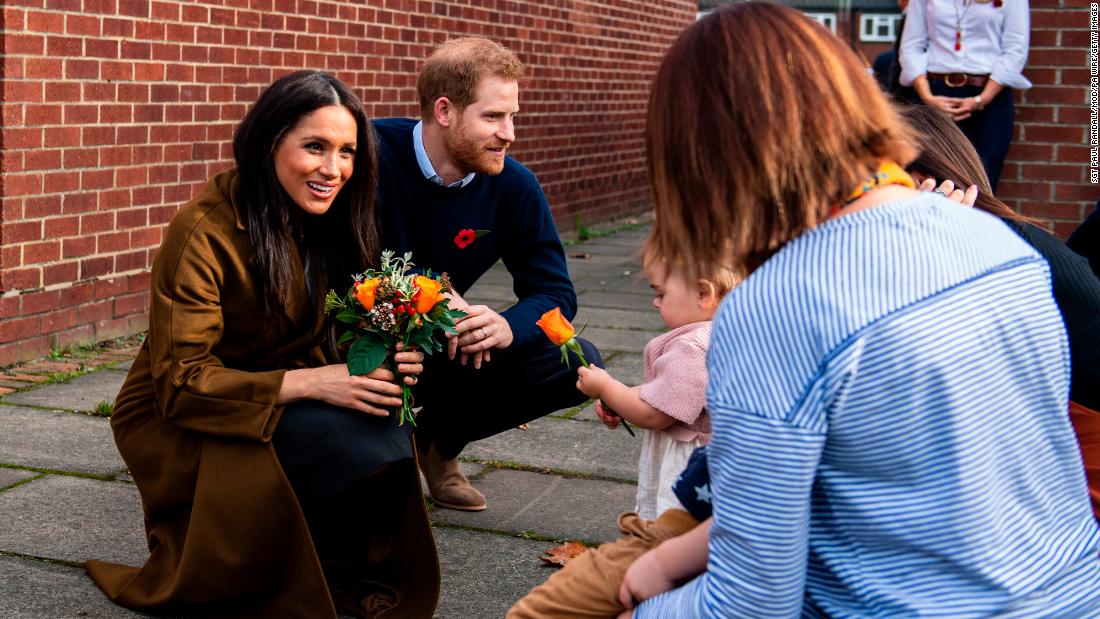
[{"x": 891, "y": 439}]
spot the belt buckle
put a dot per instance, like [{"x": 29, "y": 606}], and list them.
[{"x": 950, "y": 77}]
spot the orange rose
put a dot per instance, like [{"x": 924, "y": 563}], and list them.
[
  {"x": 556, "y": 327},
  {"x": 427, "y": 294},
  {"x": 365, "y": 292}
]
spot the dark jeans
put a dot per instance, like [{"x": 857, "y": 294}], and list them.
[
  {"x": 989, "y": 130},
  {"x": 462, "y": 404}
]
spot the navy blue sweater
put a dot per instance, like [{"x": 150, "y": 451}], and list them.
[{"x": 422, "y": 217}]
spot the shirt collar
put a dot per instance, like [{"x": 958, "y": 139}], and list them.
[{"x": 426, "y": 167}]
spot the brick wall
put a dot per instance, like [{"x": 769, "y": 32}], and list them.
[
  {"x": 115, "y": 111},
  {"x": 1047, "y": 171}
]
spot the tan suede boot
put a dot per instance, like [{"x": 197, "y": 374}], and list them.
[{"x": 447, "y": 486}]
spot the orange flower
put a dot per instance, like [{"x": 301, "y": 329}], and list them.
[
  {"x": 556, "y": 327},
  {"x": 428, "y": 293},
  {"x": 365, "y": 292}
]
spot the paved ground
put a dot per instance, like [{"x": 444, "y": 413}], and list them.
[{"x": 65, "y": 495}]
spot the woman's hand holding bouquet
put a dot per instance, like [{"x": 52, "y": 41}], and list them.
[{"x": 390, "y": 309}]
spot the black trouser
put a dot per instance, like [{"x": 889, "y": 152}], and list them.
[
  {"x": 988, "y": 129},
  {"x": 462, "y": 404},
  {"x": 343, "y": 466}
]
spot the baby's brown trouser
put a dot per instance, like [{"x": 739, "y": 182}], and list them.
[{"x": 588, "y": 586}]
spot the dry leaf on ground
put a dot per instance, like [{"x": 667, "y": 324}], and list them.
[{"x": 560, "y": 555}]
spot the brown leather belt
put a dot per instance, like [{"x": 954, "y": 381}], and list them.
[{"x": 955, "y": 80}]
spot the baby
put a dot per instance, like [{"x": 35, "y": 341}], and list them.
[{"x": 672, "y": 401}]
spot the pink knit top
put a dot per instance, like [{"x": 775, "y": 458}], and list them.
[{"x": 676, "y": 379}]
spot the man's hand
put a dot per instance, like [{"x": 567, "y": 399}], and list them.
[{"x": 478, "y": 333}]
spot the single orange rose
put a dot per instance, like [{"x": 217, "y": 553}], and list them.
[
  {"x": 427, "y": 294},
  {"x": 556, "y": 327},
  {"x": 365, "y": 292}
]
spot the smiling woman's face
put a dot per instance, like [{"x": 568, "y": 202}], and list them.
[{"x": 316, "y": 158}]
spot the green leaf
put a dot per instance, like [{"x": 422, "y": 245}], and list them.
[
  {"x": 348, "y": 315},
  {"x": 346, "y": 337},
  {"x": 366, "y": 354}
]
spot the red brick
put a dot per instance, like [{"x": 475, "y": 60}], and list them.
[
  {"x": 57, "y": 227},
  {"x": 40, "y": 21},
  {"x": 92, "y": 312},
  {"x": 96, "y": 222},
  {"x": 130, "y": 261},
  {"x": 81, "y": 202},
  {"x": 95, "y": 267},
  {"x": 21, "y": 279},
  {"x": 58, "y": 320},
  {"x": 46, "y": 251},
  {"x": 40, "y": 68},
  {"x": 82, "y": 25},
  {"x": 43, "y": 160},
  {"x": 42, "y": 206},
  {"x": 95, "y": 180},
  {"x": 37, "y": 115},
  {"x": 59, "y": 273},
  {"x": 29, "y": 44},
  {"x": 62, "y": 46},
  {"x": 19, "y": 328},
  {"x": 38, "y": 302},
  {"x": 1068, "y": 192}
]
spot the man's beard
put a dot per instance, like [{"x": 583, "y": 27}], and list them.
[{"x": 471, "y": 156}]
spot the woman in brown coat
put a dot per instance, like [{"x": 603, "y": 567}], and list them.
[{"x": 273, "y": 482}]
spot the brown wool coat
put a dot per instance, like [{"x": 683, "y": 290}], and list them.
[{"x": 194, "y": 421}]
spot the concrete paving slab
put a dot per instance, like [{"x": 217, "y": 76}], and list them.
[
  {"x": 627, "y": 367},
  {"x": 550, "y": 505},
  {"x": 80, "y": 394},
  {"x": 595, "y": 297},
  {"x": 11, "y": 476},
  {"x": 57, "y": 440},
  {"x": 490, "y": 293},
  {"x": 32, "y": 589},
  {"x": 620, "y": 318},
  {"x": 622, "y": 340},
  {"x": 74, "y": 519},
  {"x": 484, "y": 574},
  {"x": 564, "y": 444}
]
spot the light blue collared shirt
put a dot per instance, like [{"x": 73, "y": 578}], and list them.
[{"x": 426, "y": 166}]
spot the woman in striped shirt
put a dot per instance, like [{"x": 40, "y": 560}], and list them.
[{"x": 888, "y": 387}]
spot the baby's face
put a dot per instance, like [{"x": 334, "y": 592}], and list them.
[{"x": 679, "y": 301}]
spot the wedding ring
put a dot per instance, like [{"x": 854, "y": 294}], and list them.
[
  {"x": 939, "y": 191},
  {"x": 484, "y": 335}
]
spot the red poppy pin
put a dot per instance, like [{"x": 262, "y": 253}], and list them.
[
  {"x": 998, "y": 4},
  {"x": 467, "y": 236}
]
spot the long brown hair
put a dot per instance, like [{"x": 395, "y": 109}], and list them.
[
  {"x": 946, "y": 154},
  {"x": 759, "y": 120}
]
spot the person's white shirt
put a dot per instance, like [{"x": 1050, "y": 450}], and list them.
[{"x": 994, "y": 40}]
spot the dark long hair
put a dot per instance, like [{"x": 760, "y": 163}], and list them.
[
  {"x": 331, "y": 246},
  {"x": 946, "y": 154}
]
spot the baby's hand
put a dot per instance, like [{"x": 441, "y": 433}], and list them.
[
  {"x": 607, "y": 416},
  {"x": 591, "y": 380}
]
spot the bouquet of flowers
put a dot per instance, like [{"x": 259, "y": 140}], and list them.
[{"x": 391, "y": 305}]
